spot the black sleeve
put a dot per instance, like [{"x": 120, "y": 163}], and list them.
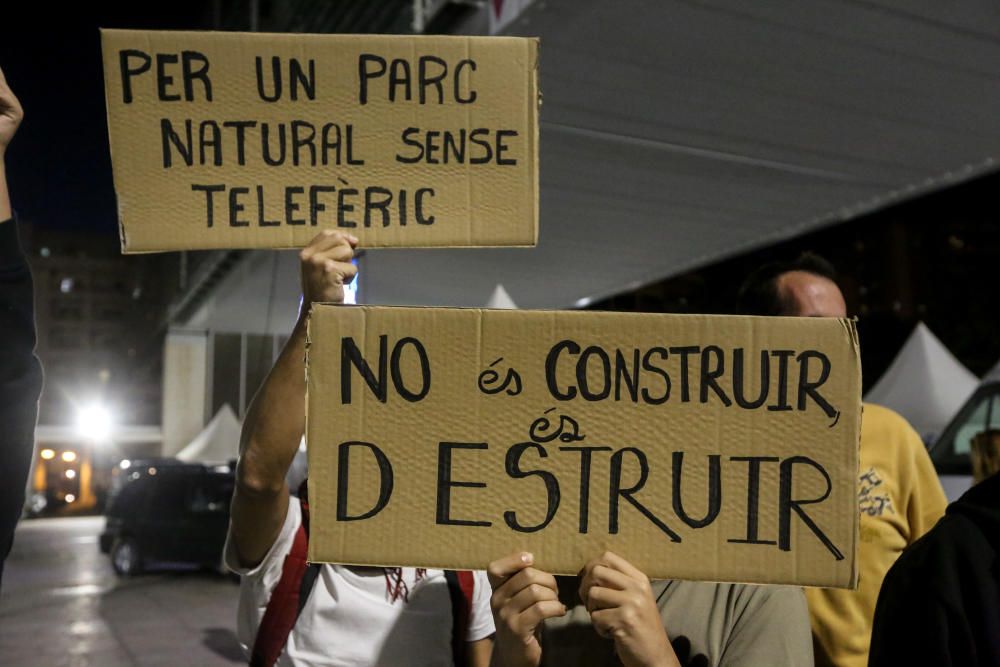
[{"x": 20, "y": 381}]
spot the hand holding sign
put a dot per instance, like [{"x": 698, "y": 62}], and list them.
[
  {"x": 10, "y": 114},
  {"x": 622, "y": 608},
  {"x": 10, "y": 117},
  {"x": 327, "y": 267},
  {"x": 523, "y": 598}
]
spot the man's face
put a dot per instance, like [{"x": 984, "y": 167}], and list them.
[{"x": 805, "y": 294}]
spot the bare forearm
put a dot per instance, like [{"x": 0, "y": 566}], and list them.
[
  {"x": 479, "y": 653},
  {"x": 271, "y": 434},
  {"x": 275, "y": 421},
  {"x": 6, "y": 212}
]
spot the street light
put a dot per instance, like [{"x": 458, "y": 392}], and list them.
[{"x": 94, "y": 423}]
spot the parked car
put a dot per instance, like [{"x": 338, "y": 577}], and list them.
[
  {"x": 951, "y": 452},
  {"x": 169, "y": 513}
]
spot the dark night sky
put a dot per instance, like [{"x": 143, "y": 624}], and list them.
[{"x": 58, "y": 167}]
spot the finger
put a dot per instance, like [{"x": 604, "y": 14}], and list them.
[
  {"x": 532, "y": 575},
  {"x": 341, "y": 252},
  {"x": 530, "y": 618},
  {"x": 517, "y": 582},
  {"x": 500, "y": 570},
  {"x": 328, "y": 238},
  {"x": 320, "y": 264},
  {"x": 335, "y": 238},
  {"x": 325, "y": 262},
  {"x": 602, "y": 575},
  {"x": 616, "y": 562},
  {"x": 584, "y": 576},
  {"x": 348, "y": 273},
  {"x": 530, "y": 595},
  {"x": 592, "y": 563},
  {"x": 340, "y": 272},
  {"x": 605, "y": 598}
]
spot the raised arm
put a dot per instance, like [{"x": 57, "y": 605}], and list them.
[{"x": 275, "y": 421}]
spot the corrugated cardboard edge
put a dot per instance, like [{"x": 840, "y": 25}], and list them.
[
  {"x": 534, "y": 43},
  {"x": 851, "y": 325},
  {"x": 311, "y": 489},
  {"x": 305, "y": 424},
  {"x": 105, "y": 36}
]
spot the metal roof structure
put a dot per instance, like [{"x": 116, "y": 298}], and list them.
[{"x": 676, "y": 133}]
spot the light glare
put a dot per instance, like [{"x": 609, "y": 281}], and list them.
[{"x": 94, "y": 423}]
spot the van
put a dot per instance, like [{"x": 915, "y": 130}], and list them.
[
  {"x": 168, "y": 513},
  {"x": 951, "y": 452}
]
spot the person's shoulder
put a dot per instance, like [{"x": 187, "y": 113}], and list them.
[
  {"x": 742, "y": 598},
  {"x": 954, "y": 539},
  {"x": 883, "y": 417},
  {"x": 908, "y": 575},
  {"x": 752, "y": 595},
  {"x": 887, "y": 426}
]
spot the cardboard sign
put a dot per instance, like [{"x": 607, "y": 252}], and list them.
[
  {"x": 230, "y": 140},
  {"x": 697, "y": 447}
]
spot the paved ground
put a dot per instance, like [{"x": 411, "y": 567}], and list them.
[{"x": 62, "y": 605}]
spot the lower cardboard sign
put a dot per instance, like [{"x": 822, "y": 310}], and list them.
[{"x": 716, "y": 448}]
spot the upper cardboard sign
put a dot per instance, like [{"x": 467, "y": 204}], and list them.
[
  {"x": 697, "y": 447},
  {"x": 230, "y": 140}
]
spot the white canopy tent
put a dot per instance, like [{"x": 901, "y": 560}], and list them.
[
  {"x": 500, "y": 299},
  {"x": 925, "y": 383},
  {"x": 218, "y": 442}
]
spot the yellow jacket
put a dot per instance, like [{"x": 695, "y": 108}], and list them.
[{"x": 900, "y": 500}]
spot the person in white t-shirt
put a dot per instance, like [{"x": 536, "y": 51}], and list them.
[{"x": 350, "y": 616}]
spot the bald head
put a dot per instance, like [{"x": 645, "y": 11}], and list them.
[
  {"x": 804, "y": 287},
  {"x": 805, "y": 294}
]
